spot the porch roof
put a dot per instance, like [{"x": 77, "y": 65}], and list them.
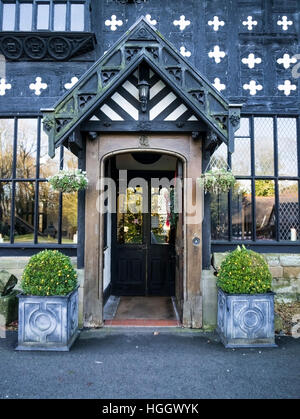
[{"x": 141, "y": 43}]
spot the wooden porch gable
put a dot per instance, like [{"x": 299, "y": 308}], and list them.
[{"x": 142, "y": 43}]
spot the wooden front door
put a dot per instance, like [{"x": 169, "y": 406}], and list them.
[{"x": 143, "y": 240}]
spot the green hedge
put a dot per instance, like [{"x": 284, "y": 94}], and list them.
[
  {"x": 49, "y": 273},
  {"x": 244, "y": 272}
]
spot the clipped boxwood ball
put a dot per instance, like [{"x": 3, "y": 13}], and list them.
[
  {"x": 49, "y": 273},
  {"x": 244, "y": 272}
]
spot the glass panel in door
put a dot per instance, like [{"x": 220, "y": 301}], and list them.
[{"x": 130, "y": 216}]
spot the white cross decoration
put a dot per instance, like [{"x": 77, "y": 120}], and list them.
[
  {"x": 151, "y": 21},
  {"x": 285, "y": 23},
  {"x": 182, "y": 23},
  {"x": 68, "y": 86},
  {"x": 252, "y": 87},
  {"x": 287, "y": 87},
  {"x": 217, "y": 54},
  {"x": 251, "y": 60},
  {"x": 250, "y": 23},
  {"x": 216, "y": 23},
  {"x": 38, "y": 86},
  {"x": 184, "y": 52},
  {"x": 113, "y": 23},
  {"x": 286, "y": 61},
  {"x": 4, "y": 86},
  {"x": 218, "y": 85}
]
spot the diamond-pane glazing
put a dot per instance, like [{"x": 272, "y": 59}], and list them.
[
  {"x": 241, "y": 158},
  {"x": 241, "y": 210},
  {"x": 265, "y": 209},
  {"x": 264, "y": 146},
  {"x": 219, "y": 158},
  {"x": 243, "y": 131},
  {"x": 219, "y": 216},
  {"x": 289, "y": 228},
  {"x": 287, "y": 147}
]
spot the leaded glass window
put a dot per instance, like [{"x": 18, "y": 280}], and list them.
[
  {"x": 31, "y": 212},
  {"x": 44, "y": 15},
  {"x": 264, "y": 204}
]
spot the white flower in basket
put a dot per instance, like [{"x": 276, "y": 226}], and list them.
[
  {"x": 69, "y": 180},
  {"x": 217, "y": 180}
]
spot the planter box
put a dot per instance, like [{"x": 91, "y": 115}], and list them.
[
  {"x": 246, "y": 320},
  {"x": 9, "y": 308},
  {"x": 47, "y": 323}
]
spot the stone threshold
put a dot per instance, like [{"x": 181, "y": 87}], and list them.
[{"x": 141, "y": 323}]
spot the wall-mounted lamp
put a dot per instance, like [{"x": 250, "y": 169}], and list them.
[{"x": 144, "y": 94}]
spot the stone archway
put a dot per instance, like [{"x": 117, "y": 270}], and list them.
[{"x": 190, "y": 151}]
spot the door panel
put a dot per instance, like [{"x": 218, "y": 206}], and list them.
[
  {"x": 161, "y": 273},
  {"x": 129, "y": 278},
  {"x": 143, "y": 261}
]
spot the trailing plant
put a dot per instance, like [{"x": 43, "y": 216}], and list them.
[
  {"x": 244, "y": 272},
  {"x": 217, "y": 180},
  {"x": 69, "y": 180},
  {"x": 49, "y": 273}
]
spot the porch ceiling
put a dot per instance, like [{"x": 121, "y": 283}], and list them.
[{"x": 141, "y": 43}]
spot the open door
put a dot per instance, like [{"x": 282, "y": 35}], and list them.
[{"x": 179, "y": 239}]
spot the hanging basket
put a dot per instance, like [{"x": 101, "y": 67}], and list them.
[
  {"x": 217, "y": 180},
  {"x": 69, "y": 181}
]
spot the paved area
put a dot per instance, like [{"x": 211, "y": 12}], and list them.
[{"x": 141, "y": 363}]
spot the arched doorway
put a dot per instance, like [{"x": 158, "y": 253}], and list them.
[
  {"x": 188, "y": 250},
  {"x": 143, "y": 243}
]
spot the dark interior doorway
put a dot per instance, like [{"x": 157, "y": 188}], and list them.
[{"x": 143, "y": 229}]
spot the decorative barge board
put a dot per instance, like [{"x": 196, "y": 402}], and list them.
[
  {"x": 184, "y": 116},
  {"x": 141, "y": 44}
]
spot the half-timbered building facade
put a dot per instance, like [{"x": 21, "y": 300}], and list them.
[{"x": 133, "y": 91}]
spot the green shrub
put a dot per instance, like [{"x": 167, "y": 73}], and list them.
[
  {"x": 244, "y": 272},
  {"x": 49, "y": 273}
]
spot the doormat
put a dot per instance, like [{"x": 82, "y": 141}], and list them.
[{"x": 144, "y": 311}]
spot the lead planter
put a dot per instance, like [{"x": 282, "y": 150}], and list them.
[
  {"x": 47, "y": 323},
  {"x": 246, "y": 320}
]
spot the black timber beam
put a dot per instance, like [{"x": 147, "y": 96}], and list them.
[{"x": 140, "y": 126}]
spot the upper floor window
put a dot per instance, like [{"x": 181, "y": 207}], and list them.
[{"x": 44, "y": 15}]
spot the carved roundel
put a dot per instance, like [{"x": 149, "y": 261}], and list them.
[
  {"x": 42, "y": 322},
  {"x": 35, "y": 47},
  {"x": 59, "y": 48},
  {"x": 12, "y": 48},
  {"x": 250, "y": 319}
]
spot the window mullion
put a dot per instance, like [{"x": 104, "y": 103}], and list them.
[
  {"x": 253, "y": 206},
  {"x": 277, "y": 232},
  {"x": 68, "y": 16},
  {"x": 1, "y": 14},
  {"x": 13, "y": 183},
  {"x": 34, "y": 16},
  {"x": 17, "y": 16},
  {"x": 61, "y": 166},
  {"x": 37, "y": 175},
  {"x": 229, "y": 203},
  {"x": 51, "y": 16}
]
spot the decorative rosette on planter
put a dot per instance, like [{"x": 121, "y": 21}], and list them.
[{"x": 69, "y": 180}]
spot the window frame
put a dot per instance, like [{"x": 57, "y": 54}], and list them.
[
  {"x": 272, "y": 245},
  {"x": 13, "y": 248},
  {"x": 35, "y": 3}
]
